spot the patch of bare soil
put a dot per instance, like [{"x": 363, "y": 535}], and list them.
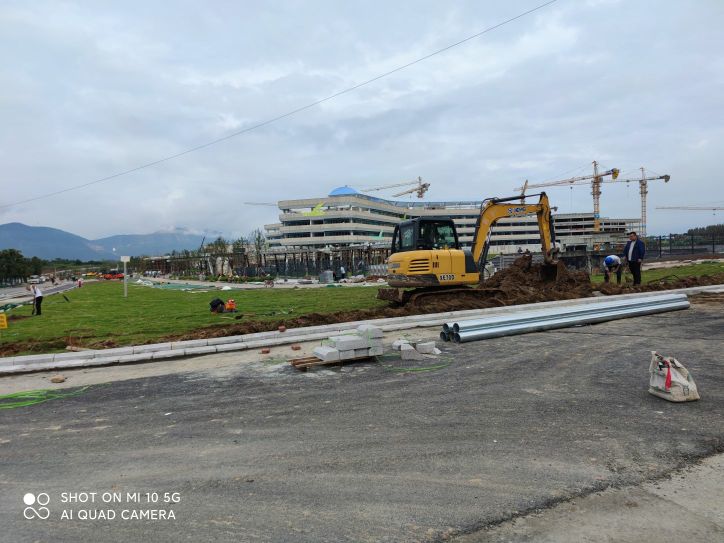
[
  {"x": 18, "y": 317},
  {"x": 31, "y": 347}
]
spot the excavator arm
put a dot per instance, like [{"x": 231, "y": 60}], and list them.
[{"x": 494, "y": 209}]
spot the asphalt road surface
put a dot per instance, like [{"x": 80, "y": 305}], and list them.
[{"x": 364, "y": 452}]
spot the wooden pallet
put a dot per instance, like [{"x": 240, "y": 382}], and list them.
[{"x": 303, "y": 364}]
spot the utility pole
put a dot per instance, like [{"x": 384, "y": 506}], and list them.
[{"x": 596, "y": 191}]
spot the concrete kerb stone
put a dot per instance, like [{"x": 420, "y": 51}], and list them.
[
  {"x": 326, "y": 354},
  {"x": 116, "y": 351},
  {"x": 193, "y": 351},
  {"x": 7, "y": 362},
  {"x": 231, "y": 347},
  {"x": 163, "y": 355},
  {"x": 34, "y": 359},
  {"x": 138, "y": 357},
  {"x": 74, "y": 355},
  {"x": 151, "y": 347},
  {"x": 189, "y": 344},
  {"x": 225, "y": 340}
]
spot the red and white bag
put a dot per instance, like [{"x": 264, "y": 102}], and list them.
[{"x": 670, "y": 380}]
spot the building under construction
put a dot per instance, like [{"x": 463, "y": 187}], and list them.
[{"x": 347, "y": 219}]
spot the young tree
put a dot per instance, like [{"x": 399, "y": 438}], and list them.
[{"x": 259, "y": 245}]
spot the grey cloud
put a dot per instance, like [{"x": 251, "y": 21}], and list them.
[{"x": 90, "y": 89}]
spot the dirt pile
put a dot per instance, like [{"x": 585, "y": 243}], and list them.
[{"x": 524, "y": 282}]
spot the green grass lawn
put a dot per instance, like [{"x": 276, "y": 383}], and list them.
[
  {"x": 98, "y": 312},
  {"x": 689, "y": 270}
]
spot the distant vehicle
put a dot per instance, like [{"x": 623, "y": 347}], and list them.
[
  {"x": 43, "y": 279},
  {"x": 34, "y": 280}
]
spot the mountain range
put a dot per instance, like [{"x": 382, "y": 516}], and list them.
[{"x": 49, "y": 243}]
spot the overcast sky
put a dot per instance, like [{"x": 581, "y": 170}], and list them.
[{"x": 89, "y": 89}]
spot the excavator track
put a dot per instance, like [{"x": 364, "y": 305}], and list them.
[{"x": 437, "y": 297}]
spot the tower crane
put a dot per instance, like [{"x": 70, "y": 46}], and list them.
[
  {"x": 420, "y": 188},
  {"x": 693, "y": 208},
  {"x": 596, "y": 179},
  {"x": 644, "y": 190}
]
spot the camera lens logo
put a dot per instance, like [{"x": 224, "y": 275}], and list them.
[{"x": 40, "y": 512}]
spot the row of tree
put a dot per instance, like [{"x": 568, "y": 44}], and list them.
[
  {"x": 711, "y": 230},
  {"x": 14, "y": 267}
]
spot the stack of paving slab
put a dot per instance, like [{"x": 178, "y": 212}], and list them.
[
  {"x": 364, "y": 342},
  {"x": 415, "y": 350}
]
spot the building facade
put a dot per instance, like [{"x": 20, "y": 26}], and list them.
[{"x": 347, "y": 218}]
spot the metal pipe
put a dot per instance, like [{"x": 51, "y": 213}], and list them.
[
  {"x": 445, "y": 336},
  {"x": 537, "y": 314},
  {"x": 562, "y": 321}
]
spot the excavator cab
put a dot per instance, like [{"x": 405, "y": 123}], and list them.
[{"x": 425, "y": 233}]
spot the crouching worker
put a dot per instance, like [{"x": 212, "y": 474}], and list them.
[
  {"x": 612, "y": 264},
  {"x": 230, "y": 306},
  {"x": 217, "y": 305}
]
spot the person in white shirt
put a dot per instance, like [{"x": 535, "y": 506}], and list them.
[
  {"x": 612, "y": 264},
  {"x": 37, "y": 298}
]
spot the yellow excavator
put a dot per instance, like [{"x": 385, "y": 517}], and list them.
[{"x": 427, "y": 257}]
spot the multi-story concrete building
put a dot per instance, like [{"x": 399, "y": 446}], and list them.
[{"x": 348, "y": 218}]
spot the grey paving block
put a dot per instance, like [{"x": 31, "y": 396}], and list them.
[
  {"x": 348, "y": 355},
  {"x": 375, "y": 351},
  {"x": 347, "y": 342},
  {"x": 425, "y": 347},
  {"x": 361, "y": 353},
  {"x": 398, "y": 343},
  {"x": 326, "y": 354},
  {"x": 369, "y": 331},
  {"x": 408, "y": 352}
]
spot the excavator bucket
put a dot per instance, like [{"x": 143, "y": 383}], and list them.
[{"x": 550, "y": 268}]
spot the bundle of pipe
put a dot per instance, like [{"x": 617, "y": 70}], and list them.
[{"x": 534, "y": 320}]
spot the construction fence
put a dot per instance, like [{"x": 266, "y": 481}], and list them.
[{"x": 370, "y": 260}]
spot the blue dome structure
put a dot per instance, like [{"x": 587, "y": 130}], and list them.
[{"x": 343, "y": 191}]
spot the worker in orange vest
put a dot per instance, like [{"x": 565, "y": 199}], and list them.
[{"x": 230, "y": 306}]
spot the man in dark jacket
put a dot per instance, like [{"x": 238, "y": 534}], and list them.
[{"x": 634, "y": 253}]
